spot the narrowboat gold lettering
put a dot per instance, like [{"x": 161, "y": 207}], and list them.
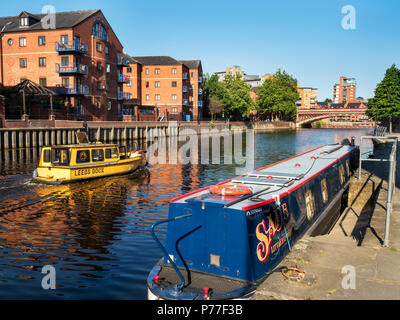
[{"x": 265, "y": 238}]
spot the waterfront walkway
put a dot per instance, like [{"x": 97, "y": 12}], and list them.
[{"x": 353, "y": 247}]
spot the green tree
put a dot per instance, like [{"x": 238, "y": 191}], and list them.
[
  {"x": 385, "y": 105},
  {"x": 277, "y": 97},
  {"x": 236, "y": 97}
]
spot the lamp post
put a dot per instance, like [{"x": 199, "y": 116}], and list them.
[{"x": 1, "y": 51}]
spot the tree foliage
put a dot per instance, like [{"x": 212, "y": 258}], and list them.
[
  {"x": 233, "y": 93},
  {"x": 277, "y": 97},
  {"x": 386, "y": 102}
]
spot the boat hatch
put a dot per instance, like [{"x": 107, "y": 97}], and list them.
[
  {"x": 261, "y": 180},
  {"x": 276, "y": 175}
]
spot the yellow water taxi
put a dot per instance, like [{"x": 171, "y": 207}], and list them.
[{"x": 73, "y": 163}]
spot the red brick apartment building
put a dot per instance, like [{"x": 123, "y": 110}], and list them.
[
  {"x": 163, "y": 87},
  {"x": 345, "y": 90},
  {"x": 82, "y": 60}
]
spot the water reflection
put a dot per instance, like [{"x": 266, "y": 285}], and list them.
[{"x": 96, "y": 233}]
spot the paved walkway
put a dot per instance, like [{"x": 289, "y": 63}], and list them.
[{"x": 353, "y": 247}]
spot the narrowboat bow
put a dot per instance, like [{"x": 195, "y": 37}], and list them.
[
  {"x": 223, "y": 241},
  {"x": 73, "y": 163}
]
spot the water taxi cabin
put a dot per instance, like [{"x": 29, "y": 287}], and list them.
[{"x": 70, "y": 163}]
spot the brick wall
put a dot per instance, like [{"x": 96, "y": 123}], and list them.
[{"x": 99, "y": 104}]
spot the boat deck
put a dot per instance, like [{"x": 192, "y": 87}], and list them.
[
  {"x": 196, "y": 280},
  {"x": 274, "y": 180}
]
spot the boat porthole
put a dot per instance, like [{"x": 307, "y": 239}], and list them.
[
  {"x": 341, "y": 174},
  {"x": 309, "y": 204}
]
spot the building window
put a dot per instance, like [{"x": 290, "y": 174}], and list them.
[
  {"x": 109, "y": 106},
  {"x": 23, "y": 63},
  {"x": 64, "y": 39},
  {"x": 147, "y": 84},
  {"x": 174, "y": 110},
  {"x": 129, "y": 70},
  {"x": 99, "y": 67},
  {"x": 98, "y": 46},
  {"x": 192, "y": 75},
  {"x": 174, "y": 71},
  {"x": 157, "y": 84},
  {"x": 106, "y": 50},
  {"x": 64, "y": 61},
  {"x": 174, "y": 97},
  {"x": 157, "y": 71},
  {"x": 129, "y": 84},
  {"x": 42, "y": 62},
  {"x": 22, "y": 42},
  {"x": 147, "y": 71},
  {"x": 99, "y": 85},
  {"x": 147, "y": 97},
  {"x": 158, "y": 97},
  {"x": 41, "y": 40},
  {"x": 24, "y": 22},
  {"x": 99, "y": 104},
  {"x": 43, "y": 82},
  {"x": 174, "y": 84},
  {"x": 65, "y": 82},
  {"x": 108, "y": 68}
]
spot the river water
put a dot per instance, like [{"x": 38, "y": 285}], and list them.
[{"x": 96, "y": 234}]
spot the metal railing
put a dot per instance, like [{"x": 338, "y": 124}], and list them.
[
  {"x": 380, "y": 131},
  {"x": 391, "y": 176}
]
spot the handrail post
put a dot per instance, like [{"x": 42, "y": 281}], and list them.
[
  {"x": 391, "y": 189},
  {"x": 166, "y": 255}
]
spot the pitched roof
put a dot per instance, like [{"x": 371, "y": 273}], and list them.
[
  {"x": 191, "y": 64},
  {"x": 156, "y": 60},
  {"x": 63, "y": 20},
  {"x": 31, "y": 87}
]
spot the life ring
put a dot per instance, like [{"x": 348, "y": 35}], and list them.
[{"x": 230, "y": 190}]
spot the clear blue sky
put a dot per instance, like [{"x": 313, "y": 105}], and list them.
[{"x": 305, "y": 38}]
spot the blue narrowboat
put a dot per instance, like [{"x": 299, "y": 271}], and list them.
[{"x": 223, "y": 241}]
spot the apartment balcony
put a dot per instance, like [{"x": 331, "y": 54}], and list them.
[
  {"x": 185, "y": 76},
  {"x": 124, "y": 96},
  {"x": 72, "y": 90},
  {"x": 201, "y": 92},
  {"x": 74, "y": 47},
  {"x": 185, "y": 89},
  {"x": 122, "y": 61},
  {"x": 123, "y": 79},
  {"x": 72, "y": 68},
  {"x": 185, "y": 102}
]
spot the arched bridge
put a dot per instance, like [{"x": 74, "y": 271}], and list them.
[{"x": 305, "y": 116}]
